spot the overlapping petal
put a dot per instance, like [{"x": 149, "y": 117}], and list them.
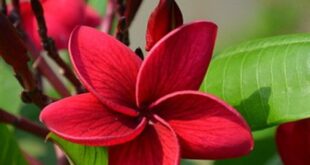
[
  {"x": 178, "y": 62},
  {"x": 293, "y": 142},
  {"x": 106, "y": 67},
  {"x": 207, "y": 127},
  {"x": 84, "y": 119},
  {"x": 157, "y": 145}
]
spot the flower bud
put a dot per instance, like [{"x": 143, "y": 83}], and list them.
[{"x": 166, "y": 17}]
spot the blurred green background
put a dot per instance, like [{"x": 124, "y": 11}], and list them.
[{"x": 238, "y": 21}]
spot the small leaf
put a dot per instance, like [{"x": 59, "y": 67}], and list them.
[
  {"x": 267, "y": 81},
  {"x": 81, "y": 155},
  {"x": 10, "y": 152},
  {"x": 9, "y": 89}
]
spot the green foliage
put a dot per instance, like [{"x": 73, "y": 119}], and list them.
[
  {"x": 10, "y": 153},
  {"x": 81, "y": 155},
  {"x": 32, "y": 144},
  {"x": 9, "y": 89},
  {"x": 267, "y": 81}
]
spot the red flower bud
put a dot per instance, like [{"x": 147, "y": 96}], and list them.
[{"x": 166, "y": 17}]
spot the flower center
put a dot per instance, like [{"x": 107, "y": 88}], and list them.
[
  {"x": 148, "y": 114},
  {"x": 145, "y": 112}
]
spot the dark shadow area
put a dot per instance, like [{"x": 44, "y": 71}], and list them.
[{"x": 255, "y": 109}]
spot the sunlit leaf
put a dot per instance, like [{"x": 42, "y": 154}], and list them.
[
  {"x": 267, "y": 80},
  {"x": 10, "y": 152},
  {"x": 81, "y": 155}
]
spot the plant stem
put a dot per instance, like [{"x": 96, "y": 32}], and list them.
[
  {"x": 122, "y": 33},
  {"x": 16, "y": 5},
  {"x": 46, "y": 70},
  {"x": 23, "y": 124},
  {"x": 15, "y": 14},
  {"x": 3, "y": 7},
  {"x": 49, "y": 45},
  {"x": 14, "y": 52}
]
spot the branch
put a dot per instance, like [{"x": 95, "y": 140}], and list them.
[
  {"x": 16, "y": 6},
  {"x": 3, "y": 7},
  {"x": 46, "y": 70},
  {"x": 23, "y": 124},
  {"x": 131, "y": 9},
  {"x": 14, "y": 52},
  {"x": 122, "y": 33},
  {"x": 49, "y": 45},
  {"x": 15, "y": 14}
]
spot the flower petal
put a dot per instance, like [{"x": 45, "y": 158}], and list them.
[
  {"x": 293, "y": 142},
  {"x": 157, "y": 145},
  {"x": 177, "y": 62},
  {"x": 207, "y": 127},
  {"x": 106, "y": 67},
  {"x": 85, "y": 120},
  {"x": 68, "y": 17}
]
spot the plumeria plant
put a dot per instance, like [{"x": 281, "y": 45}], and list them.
[{"x": 91, "y": 99}]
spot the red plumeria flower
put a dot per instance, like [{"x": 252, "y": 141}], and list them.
[
  {"x": 61, "y": 17},
  {"x": 148, "y": 112},
  {"x": 293, "y": 142}
]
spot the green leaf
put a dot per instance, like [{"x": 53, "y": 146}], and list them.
[
  {"x": 9, "y": 89},
  {"x": 32, "y": 144},
  {"x": 81, "y": 155},
  {"x": 267, "y": 80},
  {"x": 98, "y": 5},
  {"x": 10, "y": 152},
  {"x": 264, "y": 152}
]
